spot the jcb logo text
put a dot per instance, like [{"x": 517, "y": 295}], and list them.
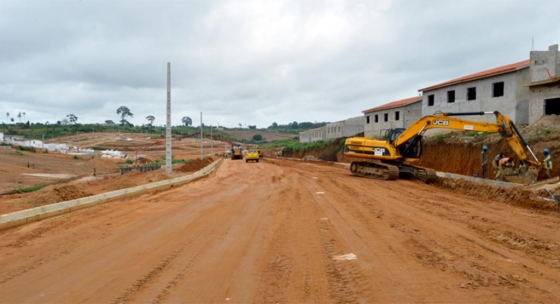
[{"x": 441, "y": 122}]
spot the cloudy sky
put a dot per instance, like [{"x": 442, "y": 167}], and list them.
[{"x": 250, "y": 62}]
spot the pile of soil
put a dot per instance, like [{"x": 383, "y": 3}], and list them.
[
  {"x": 516, "y": 196},
  {"x": 120, "y": 183},
  {"x": 159, "y": 177},
  {"x": 104, "y": 164},
  {"x": 195, "y": 165},
  {"x": 52, "y": 195},
  {"x": 546, "y": 126}
]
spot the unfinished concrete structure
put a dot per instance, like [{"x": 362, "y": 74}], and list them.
[
  {"x": 345, "y": 128},
  {"x": 313, "y": 135},
  {"x": 396, "y": 114},
  {"x": 503, "y": 89},
  {"x": 544, "y": 83}
]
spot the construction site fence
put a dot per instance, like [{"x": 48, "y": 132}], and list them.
[{"x": 140, "y": 168}]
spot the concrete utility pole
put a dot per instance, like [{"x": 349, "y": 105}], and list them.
[
  {"x": 168, "y": 155},
  {"x": 211, "y": 142},
  {"x": 201, "y": 149}
]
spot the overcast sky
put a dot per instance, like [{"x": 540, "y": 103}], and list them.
[{"x": 250, "y": 62}]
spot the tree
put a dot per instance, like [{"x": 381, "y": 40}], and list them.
[
  {"x": 123, "y": 111},
  {"x": 187, "y": 121},
  {"x": 7, "y": 116},
  {"x": 72, "y": 118},
  {"x": 64, "y": 121},
  {"x": 240, "y": 125},
  {"x": 252, "y": 127},
  {"x": 19, "y": 116},
  {"x": 151, "y": 119},
  {"x": 12, "y": 119},
  {"x": 257, "y": 137},
  {"x": 23, "y": 116},
  {"x": 274, "y": 126}
]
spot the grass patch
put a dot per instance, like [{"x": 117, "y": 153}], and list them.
[
  {"x": 29, "y": 189},
  {"x": 18, "y": 153},
  {"x": 443, "y": 136}
]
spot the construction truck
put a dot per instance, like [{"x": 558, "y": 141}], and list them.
[
  {"x": 394, "y": 157},
  {"x": 236, "y": 152}
]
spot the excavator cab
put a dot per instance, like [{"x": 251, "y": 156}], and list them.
[{"x": 412, "y": 149}]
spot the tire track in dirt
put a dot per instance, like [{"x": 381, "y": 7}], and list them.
[
  {"x": 420, "y": 243},
  {"x": 291, "y": 275}
]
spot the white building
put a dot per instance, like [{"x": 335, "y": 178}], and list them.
[
  {"x": 503, "y": 89},
  {"x": 345, "y": 128},
  {"x": 396, "y": 114}
]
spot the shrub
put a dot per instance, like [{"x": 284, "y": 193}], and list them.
[
  {"x": 31, "y": 149},
  {"x": 29, "y": 189},
  {"x": 76, "y": 157}
]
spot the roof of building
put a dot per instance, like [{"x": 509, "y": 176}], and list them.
[
  {"x": 484, "y": 74},
  {"x": 395, "y": 104}
]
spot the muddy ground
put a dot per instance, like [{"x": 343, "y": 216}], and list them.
[{"x": 282, "y": 231}]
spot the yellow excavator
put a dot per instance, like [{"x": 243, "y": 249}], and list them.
[{"x": 387, "y": 159}]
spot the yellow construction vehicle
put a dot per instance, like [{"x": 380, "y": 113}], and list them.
[
  {"x": 394, "y": 157},
  {"x": 236, "y": 152}
]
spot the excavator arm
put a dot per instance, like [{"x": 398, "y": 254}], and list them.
[
  {"x": 403, "y": 146},
  {"x": 503, "y": 125}
]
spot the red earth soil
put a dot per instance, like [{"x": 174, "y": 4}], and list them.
[{"x": 282, "y": 231}]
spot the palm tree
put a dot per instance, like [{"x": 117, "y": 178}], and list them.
[
  {"x": 23, "y": 116},
  {"x": 19, "y": 116},
  {"x": 187, "y": 121},
  {"x": 151, "y": 119},
  {"x": 7, "y": 116}
]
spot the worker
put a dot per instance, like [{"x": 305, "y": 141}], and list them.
[
  {"x": 547, "y": 162},
  {"x": 496, "y": 163},
  {"x": 504, "y": 162},
  {"x": 484, "y": 161}
]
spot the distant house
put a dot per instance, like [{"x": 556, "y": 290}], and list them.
[
  {"x": 502, "y": 88},
  {"x": 1, "y": 137},
  {"x": 345, "y": 128},
  {"x": 544, "y": 84},
  {"x": 313, "y": 135},
  {"x": 396, "y": 114}
]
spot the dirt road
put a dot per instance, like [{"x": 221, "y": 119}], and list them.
[{"x": 287, "y": 232}]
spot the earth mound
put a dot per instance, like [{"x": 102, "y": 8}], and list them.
[{"x": 196, "y": 164}]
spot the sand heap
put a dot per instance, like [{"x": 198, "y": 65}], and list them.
[
  {"x": 53, "y": 194},
  {"x": 547, "y": 124},
  {"x": 104, "y": 164},
  {"x": 197, "y": 164},
  {"x": 124, "y": 181}
]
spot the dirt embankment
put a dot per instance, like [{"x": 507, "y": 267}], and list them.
[{"x": 460, "y": 154}]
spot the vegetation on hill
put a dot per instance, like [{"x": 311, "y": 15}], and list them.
[{"x": 68, "y": 127}]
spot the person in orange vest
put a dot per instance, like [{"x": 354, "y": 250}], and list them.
[{"x": 504, "y": 162}]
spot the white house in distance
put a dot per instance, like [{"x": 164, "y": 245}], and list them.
[
  {"x": 396, "y": 114},
  {"x": 503, "y": 89},
  {"x": 345, "y": 128}
]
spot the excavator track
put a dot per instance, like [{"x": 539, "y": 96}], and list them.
[
  {"x": 424, "y": 174},
  {"x": 375, "y": 170}
]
